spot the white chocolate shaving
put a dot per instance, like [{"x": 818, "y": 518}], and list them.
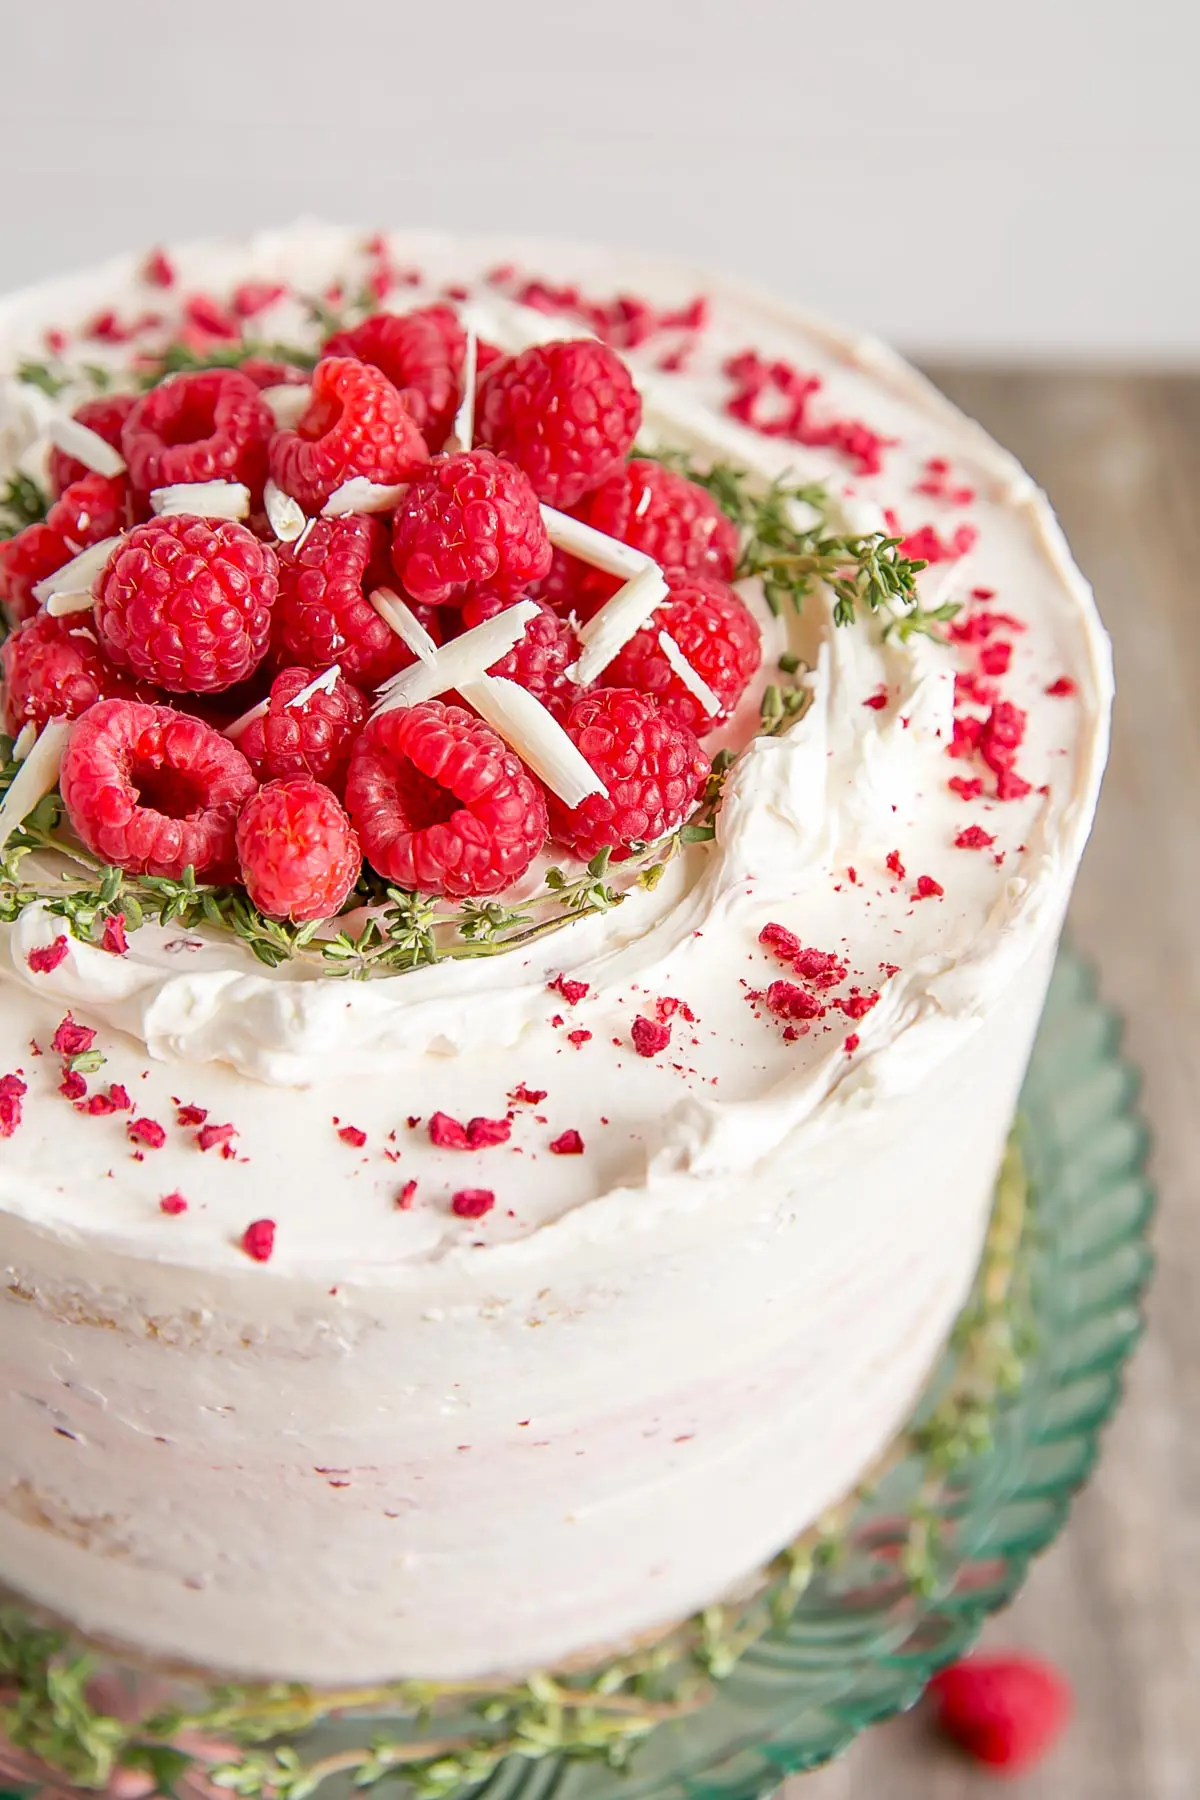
[
  {"x": 692, "y": 680},
  {"x": 608, "y": 631},
  {"x": 358, "y": 495},
  {"x": 24, "y": 741},
  {"x": 76, "y": 577},
  {"x": 535, "y": 734},
  {"x": 203, "y": 499},
  {"x": 593, "y": 547},
  {"x": 36, "y": 777},
  {"x": 404, "y": 622},
  {"x": 463, "y": 659},
  {"x": 285, "y": 515},
  {"x": 288, "y": 403},
  {"x": 462, "y": 432},
  {"x": 86, "y": 446},
  {"x": 235, "y": 730},
  {"x": 320, "y": 684}
]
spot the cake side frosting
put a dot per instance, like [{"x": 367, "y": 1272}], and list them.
[{"x": 820, "y": 1194}]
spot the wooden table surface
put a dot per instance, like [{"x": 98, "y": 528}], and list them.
[{"x": 1116, "y": 1603}]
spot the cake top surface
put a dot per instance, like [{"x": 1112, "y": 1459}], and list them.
[{"x": 900, "y": 818}]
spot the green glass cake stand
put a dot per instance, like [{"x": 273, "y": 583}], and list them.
[{"x": 872, "y": 1622}]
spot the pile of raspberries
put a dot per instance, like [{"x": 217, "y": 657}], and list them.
[{"x": 199, "y": 620}]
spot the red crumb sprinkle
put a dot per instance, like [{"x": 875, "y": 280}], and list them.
[
  {"x": 146, "y": 1131},
  {"x": 1062, "y": 688},
  {"x": 851, "y": 1044},
  {"x": 522, "y": 1095},
  {"x": 783, "y": 942},
  {"x": 190, "y": 1115},
  {"x": 350, "y": 1134},
  {"x": 114, "y": 939},
  {"x": 649, "y": 1036},
  {"x": 72, "y": 1086},
  {"x": 666, "y": 1006},
  {"x": 158, "y": 269},
  {"x": 857, "y": 1005},
  {"x": 478, "y": 1134},
  {"x": 406, "y": 1196},
  {"x": 877, "y": 701},
  {"x": 894, "y": 865},
  {"x": 973, "y": 837},
  {"x": 568, "y": 1143},
  {"x": 258, "y": 1240},
  {"x": 483, "y": 1133},
  {"x": 173, "y": 1205},
  {"x": 822, "y": 967},
  {"x": 995, "y": 658},
  {"x": 472, "y": 1203},
  {"x": 45, "y": 961},
  {"x": 579, "y": 1038},
  {"x": 787, "y": 1001},
  {"x": 71, "y": 1039},
  {"x": 447, "y": 1133},
  {"x": 1011, "y": 786},
  {"x": 209, "y": 1136},
  {"x": 118, "y": 1093},
  {"x": 572, "y": 991},
  {"x": 12, "y": 1092},
  {"x": 967, "y": 787},
  {"x": 928, "y": 888}
]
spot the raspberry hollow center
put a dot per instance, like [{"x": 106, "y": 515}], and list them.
[
  {"x": 172, "y": 792},
  {"x": 426, "y": 802},
  {"x": 191, "y": 421}
]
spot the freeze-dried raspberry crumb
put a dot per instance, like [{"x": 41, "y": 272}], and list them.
[
  {"x": 572, "y": 991},
  {"x": 207, "y": 425},
  {"x": 314, "y": 738},
  {"x": 25, "y": 560},
  {"x": 857, "y": 1005},
  {"x": 421, "y": 353},
  {"x": 1002, "y": 734},
  {"x": 653, "y": 770},
  {"x": 965, "y": 739},
  {"x": 355, "y": 424},
  {"x": 567, "y": 1143},
  {"x": 113, "y": 938},
  {"x": 146, "y": 1131},
  {"x": 779, "y": 939},
  {"x": 173, "y": 1205},
  {"x": 352, "y": 1135},
  {"x": 258, "y": 1240},
  {"x": 649, "y": 1036},
  {"x": 297, "y": 851},
  {"x": 823, "y": 968},
  {"x": 441, "y": 803},
  {"x": 154, "y": 791},
  {"x": 718, "y": 637},
  {"x": 877, "y": 701},
  {"x": 663, "y": 514},
  {"x": 994, "y": 658},
  {"x": 894, "y": 865},
  {"x": 967, "y": 787},
  {"x": 1005, "y": 1711},
  {"x": 522, "y": 1095},
  {"x": 928, "y": 889},
  {"x": 540, "y": 659},
  {"x": 1062, "y": 687},
  {"x": 186, "y": 603},
  {"x": 470, "y": 520},
  {"x": 204, "y": 316},
  {"x": 406, "y": 1196},
  {"x": 447, "y": 1133},
  {"x": 119, "y": 1097},
  {"x": 158, "y": 270},
  {"x": 483, "y": 1133},
  {"x": 106, "y": 416},
  {"x": 565, "y": 412},
  {"x": 579, "y": 1038},
  {"x": 71, "y": 1038},
  {"x": 925, "y": 545},
  {"x": 1011, "y": 786},
  {"x": 52, "y": 668},
  {"x": 72, "y": 1086},
  {"x": 787, "y": 1001},
  {"x": 12, "y": 1092},
  {"x": 852, "y": 1042},
  {"x": 190, "y": 1115},
  {"x": 212, "y": 1137},
  {"x": 251, "y": 297},
  {"x": 45, "y": 959},
  {"x": 323, "y": 615},
  {"x": 472, "y": 1203},
  {"x": 973, "y": 837},
  {"x": 775, "y": 398}
]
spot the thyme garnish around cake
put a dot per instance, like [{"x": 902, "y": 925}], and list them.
[{"x": 22, "y": 503}]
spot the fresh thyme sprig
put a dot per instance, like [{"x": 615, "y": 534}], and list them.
[
  {"x": 43, "y": 375},
  {"x": 22, "y": 503}
]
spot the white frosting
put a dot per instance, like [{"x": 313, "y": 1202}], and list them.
[{"x": 362, "y": 1458}]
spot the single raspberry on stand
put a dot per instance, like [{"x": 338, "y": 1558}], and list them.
[
  {"x": 155, "y": 791},
  {"x": 718, "y": 637},
  {"x": 652, "y": 768},
  {"x": 54, "y": 668},
  {"x": 1005, "y": 1711},
  {"x": 541, "y": 660},
  {"x": 25, "y": 560},
  {"x": 297, "y": 850},
  {"x": 441, "y": 803},
  {"x": 212, "y": 425},
  {"x": 89, "y": 510},
  {"x": 565, "y": 412},
  {"x": 471, "y": 519},
  {"x": 355, "y": 424},
  {"x": 421, "y": 353},
  {"x": 186, "y": 603},
  {"x": 105, "y": 416},
  {"x": 663, "y": 514},
  {"x": 323, "y": 614},
  {"x": 314, "y": 738}
]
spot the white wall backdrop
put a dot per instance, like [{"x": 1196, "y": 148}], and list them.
[{"x": 999, "y": 177}]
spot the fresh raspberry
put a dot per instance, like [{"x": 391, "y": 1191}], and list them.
[
  {"x": 441, "y": 803},
  {"x": 355, "y": 424},
  {"x": 267, "y": 371},
  {"x": 313, "y": 739},
  {"x": 566, "y": 412},
  {"x": 1005, "y": 1711},
  {"x": 421, "y": 354},
  {"x": 186, "y": 603},
  {"x": 471, "y": 519},
  {"x": 153, "y": 791},
  {"x": 670, "y": 518},
  {"x": 53, "y": 668},
  {"x": 105, "y": 416},
  {"x": 652, "y": 768},
  {"x": 323, "y": 614},
  {"x": 540, "y": 661},
  {"x": 297, "y": 850},
  {"x": 717, "y": 635},
  {"x": 209, "y": 426},
  {"x": 91, "y": 509},
  {"x": 25, "y": 560}
]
